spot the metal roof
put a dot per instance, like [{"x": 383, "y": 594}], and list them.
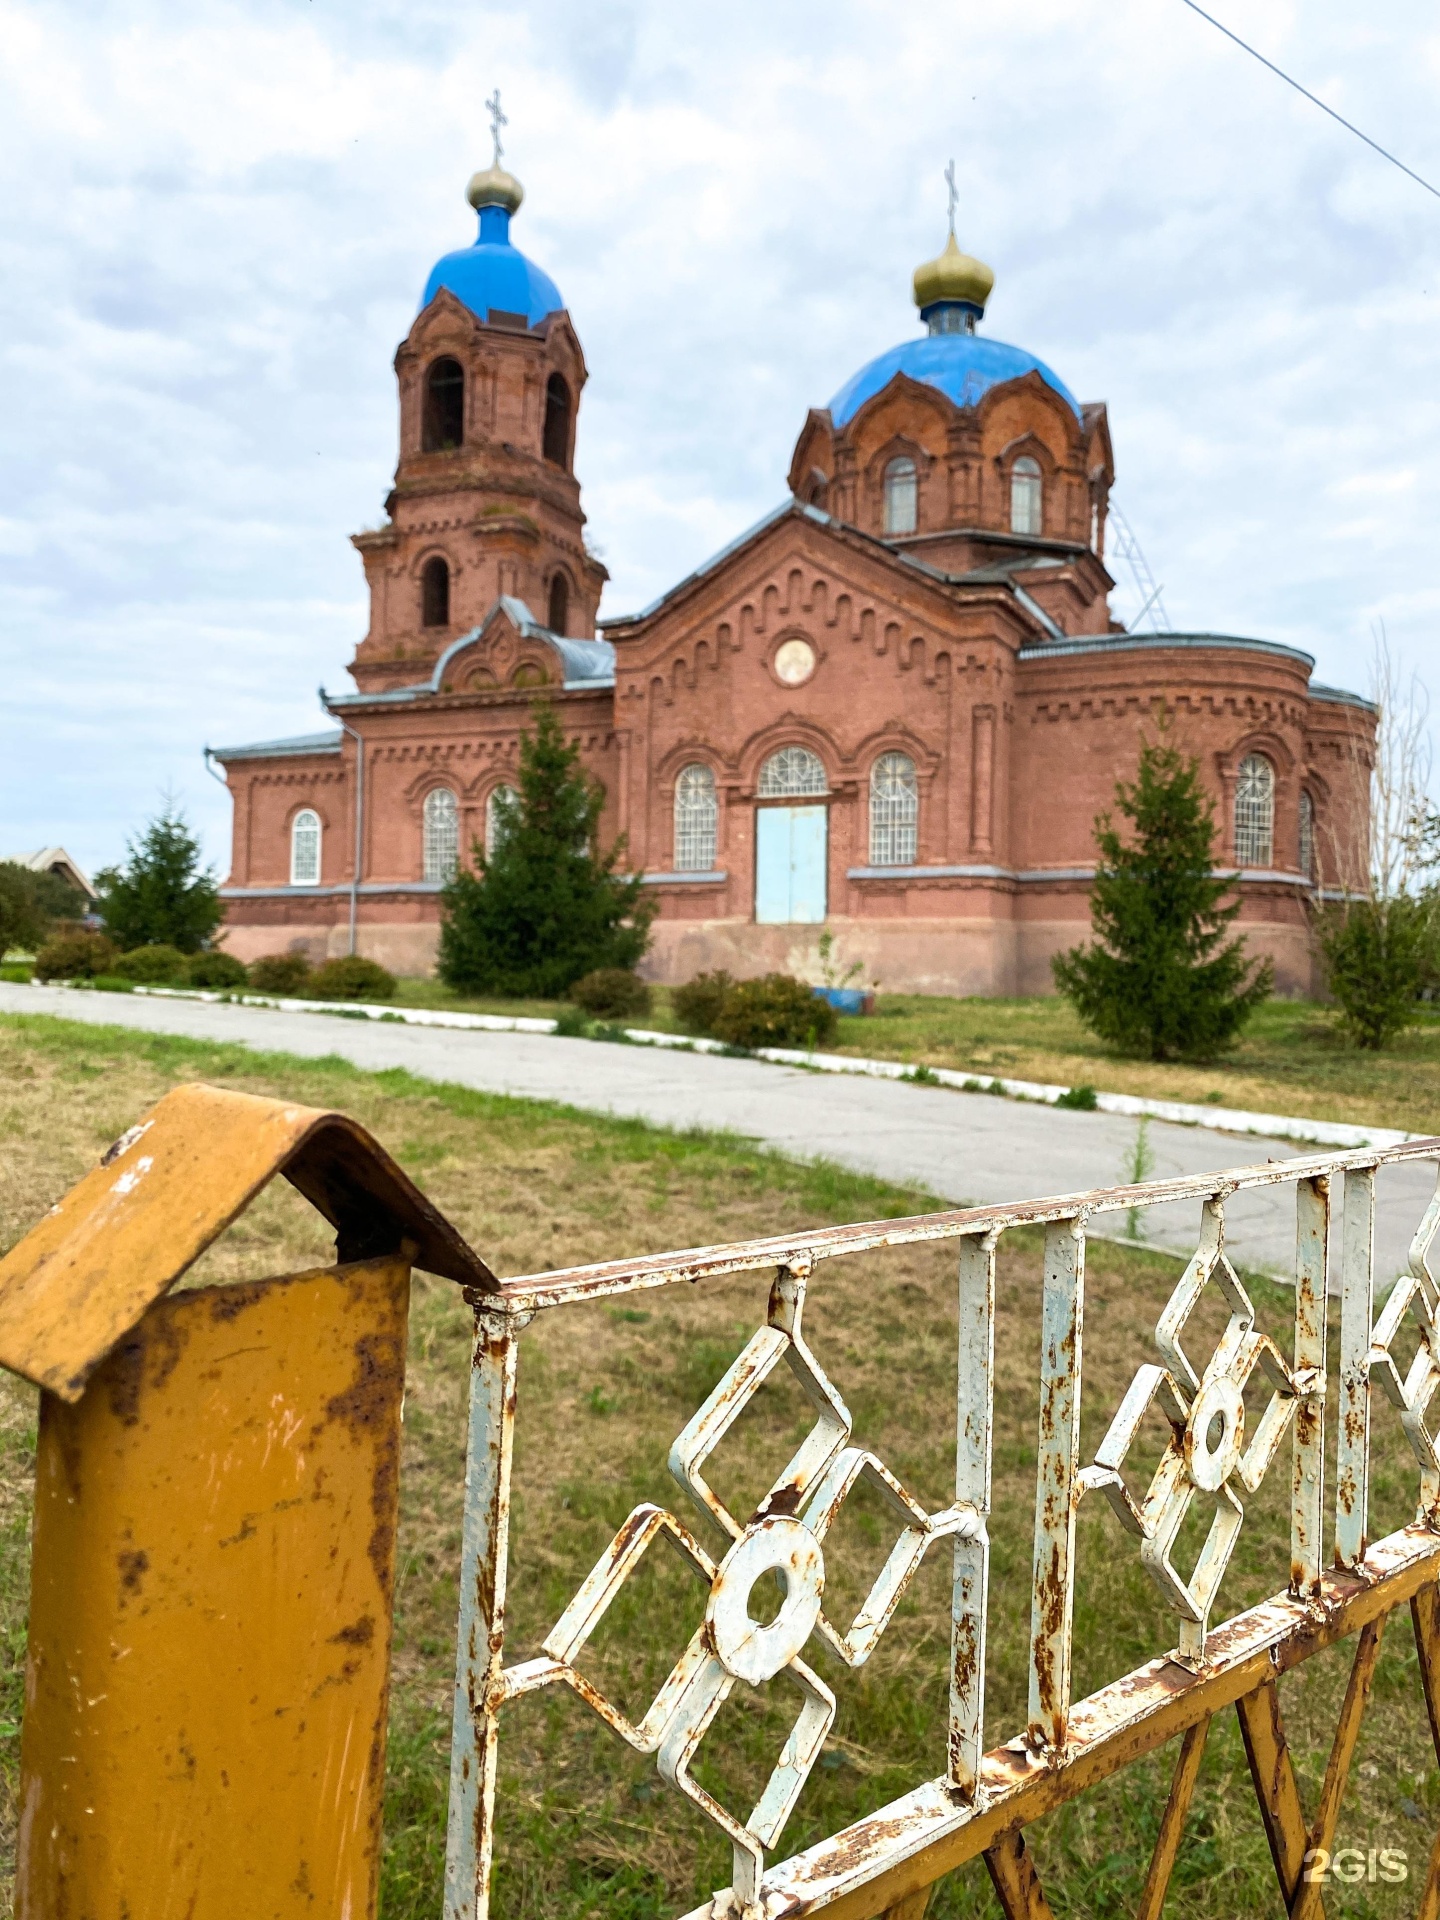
[
  {"x": 962, "y": 366},
  {"x": 587, "y": 664},
  {"x": 328, "y": 742},
  {"x": 1134, "y": 642}
]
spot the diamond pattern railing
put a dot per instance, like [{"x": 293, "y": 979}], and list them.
[{"x": 1225, "y": 1417}]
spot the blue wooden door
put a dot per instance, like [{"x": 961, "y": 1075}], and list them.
[{"x": 790, "y": 858}]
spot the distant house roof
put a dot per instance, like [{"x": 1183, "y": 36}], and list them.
[{"x": 57, "y": 861}]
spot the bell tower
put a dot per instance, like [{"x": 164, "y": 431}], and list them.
[{"x": 485, "y": 502}]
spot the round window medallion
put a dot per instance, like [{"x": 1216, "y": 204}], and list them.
[{"x": 794, "y": 662}]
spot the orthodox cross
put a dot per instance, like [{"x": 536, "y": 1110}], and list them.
[
  {"x": 497, "y": 120},
  {"x": 954, "y": 196}
]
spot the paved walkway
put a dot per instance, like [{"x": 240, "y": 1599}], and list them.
[{"x": 963, "y": 1147}]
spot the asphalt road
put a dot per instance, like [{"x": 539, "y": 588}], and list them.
[{"x": 963, "y": 1147}]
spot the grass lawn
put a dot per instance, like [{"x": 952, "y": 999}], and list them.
[
  {"x": 588, "y": 1828},
  {"x": 1292, "y": 1059}
]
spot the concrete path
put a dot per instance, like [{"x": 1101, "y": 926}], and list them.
[{"x": 963, "y": 1147}]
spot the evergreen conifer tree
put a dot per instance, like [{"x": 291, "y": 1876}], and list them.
[
  {"x": 162, "y": 896},
  {"x": 1161, "y": 978},
  {"x": 543, "y": 907}
]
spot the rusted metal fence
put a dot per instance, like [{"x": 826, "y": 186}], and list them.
[{"x": 886, "y": 1863}]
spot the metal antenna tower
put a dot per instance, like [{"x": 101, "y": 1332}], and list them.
[{"x": 1128, "y": 548}]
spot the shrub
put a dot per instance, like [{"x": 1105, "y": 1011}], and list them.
[
  {"x": 75, "y": 955},
  {"x": 285, "y": 973},
  {"x": 1161, "y": 978},
  {"x": 1081, "y": 1098},
  {"x": 611, "y": 993},
  {"x": 697, "y": 1004},
  {"x": 1379, "y": 954},
  {"x": 775, "y": 1011},
  {"x": 22, "y": 921},
  {"x": 216, "y": 969},
  {"x": 162, "y": 894},
  {"x": 545, "y": 906},
  {"x": 17, "y": 974},
  {"x": 353, "y": 978},
  {"x": 151, "y": 966}
]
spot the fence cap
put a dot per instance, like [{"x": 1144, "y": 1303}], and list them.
[{"x": 85, "y": 1274}]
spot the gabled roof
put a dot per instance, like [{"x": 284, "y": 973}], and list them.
[
  {"x": 801, "y": 510},
  {"x": 586, "y": 664},
  {"x": 84, "y": 1275},
  {"x": 53, "y": 860}
]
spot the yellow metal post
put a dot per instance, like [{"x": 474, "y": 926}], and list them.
[{"x": 215, "y": 1518}]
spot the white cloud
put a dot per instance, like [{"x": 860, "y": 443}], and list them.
[{"x": 217, "y": 219}]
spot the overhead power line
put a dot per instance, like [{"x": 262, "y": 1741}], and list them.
[{"x": 1314, "y": 100}]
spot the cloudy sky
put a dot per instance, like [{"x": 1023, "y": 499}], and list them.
[{"x": 216, "y": 221}]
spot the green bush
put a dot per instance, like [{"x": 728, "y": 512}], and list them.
[
  {"x": 154, "y": 966},
  {"x": 75, "y": 955},
  {"x": 353, "y": 978},
  {"x": 1379, "y": 954},
  {"x": 216, "y": 969},
  {"x": 1161, "y": 978},
  {"x": 612, "y": 993},
  {"x": 17, "y": 974},
  {"x": 1082, "y": 1098},
  {"x": 545, "y": 905},
  {"x": 697, "y": 1004},
  {"x": 284, "y": 973},
  {"x": 24, "y": 922},
  {"x": 162, "y": 894},
  {"x": 775, "y": 1011}
]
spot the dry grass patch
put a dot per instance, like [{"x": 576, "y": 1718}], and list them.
[{"x": 588, "y": 1828}]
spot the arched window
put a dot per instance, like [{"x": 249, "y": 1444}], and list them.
[
  {"x": 442, "y": 834},
  {"x": 791, "y": 774},
  {"x": 1307, "y": 834},
  {"x": 557, "y": 421},
  {"x": 305, "y": 849},
  {"x": 559, "y": 604},
  {"x": 1026, "y": 499},
  {"x": 529, "y": 673},
  {"x": 494, "y": 825},
  {"x": 1255, "y": 812},
  {"x": 435, "y": 593},
  {"x": 894, "y": 809},
  {"x": 443, "y": 424},
  {"x": 900, "y": 497},
  {"x": 697, "y": 817}
]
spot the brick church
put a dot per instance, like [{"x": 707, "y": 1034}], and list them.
[{"x": 891, "y": 708}]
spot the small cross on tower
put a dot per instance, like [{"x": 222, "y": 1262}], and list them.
[
  {"x": 498, "y": 119},
  {"x": 954, "y": 196}
]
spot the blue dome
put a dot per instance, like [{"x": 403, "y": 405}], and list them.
[
  {"x": 962, "y": 365},
  {"x": 493, "y": 274}
]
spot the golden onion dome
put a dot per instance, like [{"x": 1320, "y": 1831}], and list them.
[
  {"x": 954, "y": 277},
  {"x": 494, "y": 187}
]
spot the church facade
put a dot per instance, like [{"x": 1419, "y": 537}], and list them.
[{"x": 892, "y": 709}]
